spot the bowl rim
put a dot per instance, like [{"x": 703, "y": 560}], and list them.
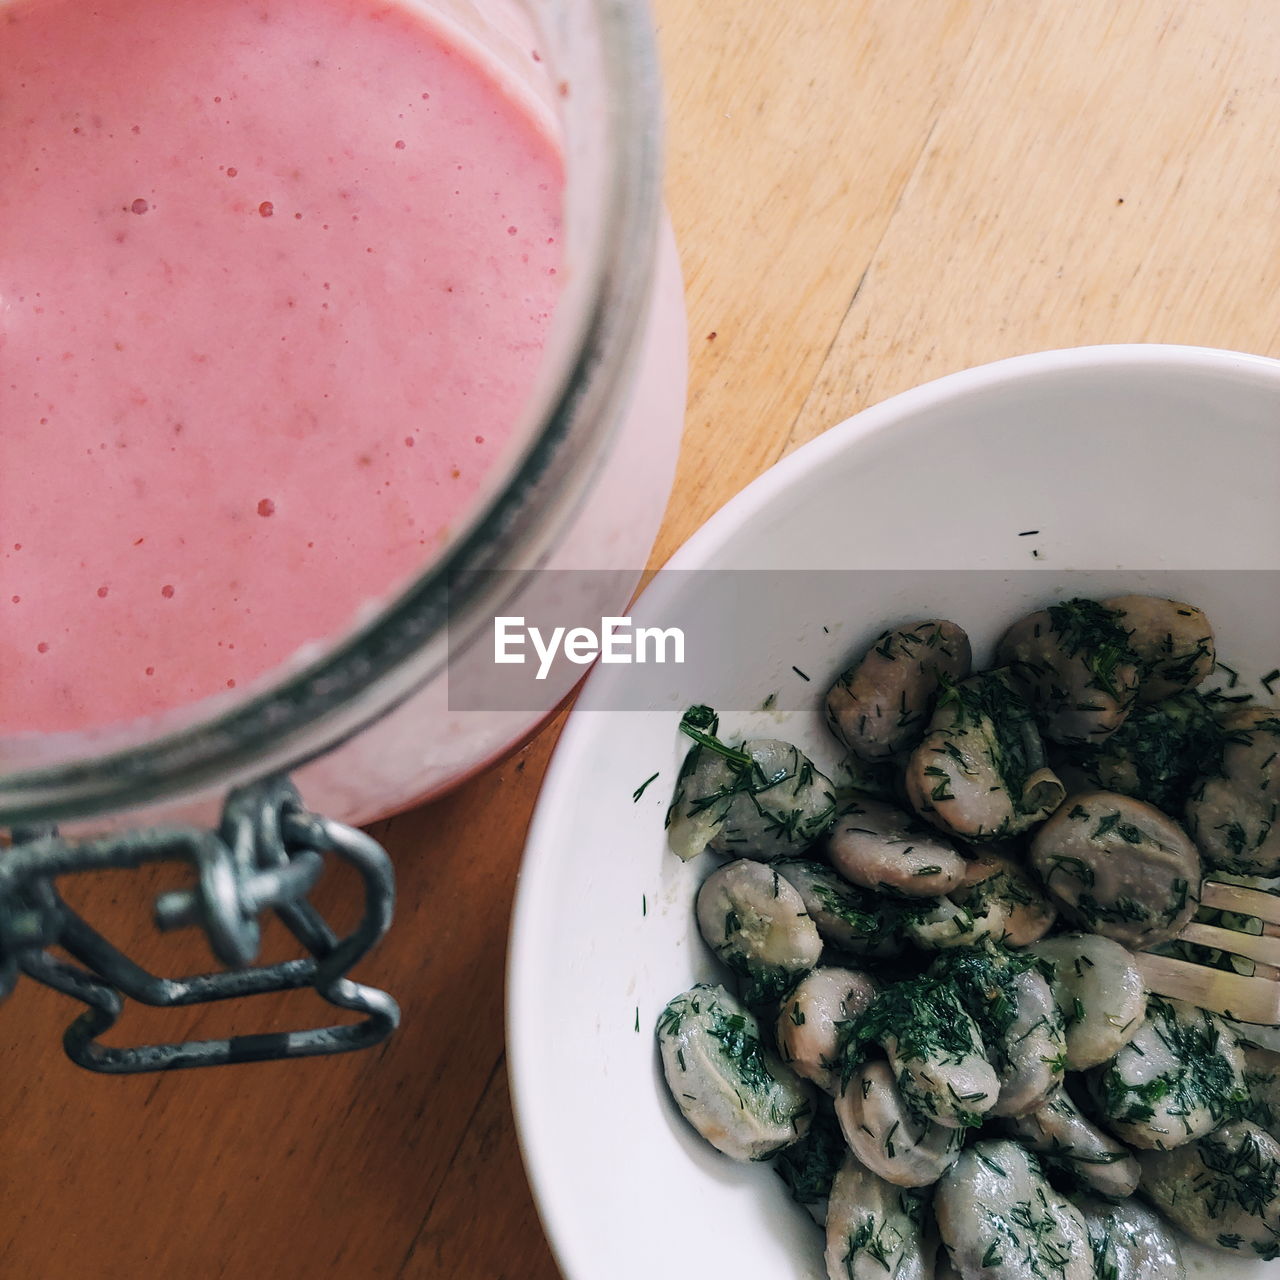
[{"x": 522, "y": 1033}]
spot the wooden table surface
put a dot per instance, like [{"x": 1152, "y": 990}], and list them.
[{"x": 867, "y": 194}]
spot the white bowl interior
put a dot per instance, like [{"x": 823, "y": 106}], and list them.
[{"x": 1142, "y": 468}]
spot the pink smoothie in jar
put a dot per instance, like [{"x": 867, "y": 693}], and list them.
[{"x": 275, "y": 280}]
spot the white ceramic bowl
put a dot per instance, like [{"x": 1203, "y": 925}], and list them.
[{"x": 1128, "y": 460}]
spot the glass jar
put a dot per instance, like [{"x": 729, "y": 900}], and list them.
[{"x": 361, "y": 721}]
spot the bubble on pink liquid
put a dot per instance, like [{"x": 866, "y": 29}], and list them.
[
  {"x": 266, "y": 209},
  {"x": 17, "y": 546},
  {"x": 512, "y": 230},
  {"x": 479, "y": 439},
  {"x": 266, "y": 507},
  {"x": 232, "y": 171},
  {"x": 102, "y": 593},
  {"x": 231, "y": 684},
  {"x": 42, "y": 647},
  {"x": 139, "y": 206},
  {"x": 150, "y": 671},
  {"x": 408, "y": 442},
  {"x": 16, "y": 599},
  {"x": 167, "y": 591},
  {"x": 426, "y": 97},
  {"x": 400, "y": 144}
]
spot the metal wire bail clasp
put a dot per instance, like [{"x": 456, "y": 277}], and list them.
[{"x": 267, "y": 854}]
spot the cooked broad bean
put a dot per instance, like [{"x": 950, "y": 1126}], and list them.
[
  {"x": 846, "y": 916},
  {"x": 934, "y": 1048},
  {"x": 1131, "y": 1241},
  {"x": 1223, "y": 1191},
  {"x": 1234, "y": 814},
  {"x": 1100, "y": 993},
  {"x": 1077, "y": 667},
  {"x": 1014, "y": 1010},
  {"x": 879, "y": 706},
  {"x": 945, "y": 925},
  {"x": 761, "y": 800},
  {"x": 756, "y": 922},
  {"x": 1059, "y": 1132},
  {"x": 878, "y": 846},
  {"x": 1262, "y": 1079},
  {"x": 1157, "y": 755},
  {"x": 875, "y": 1230},
  {"x": 1180, "y": 1077},
  {"x": 993, "y": 880},
  {"x": 1173, "y": 641},
  {"x": 886, "y": 1136},
  {"x": 1000, "y": 1219},
  {"x": 728, "y": 1085},
  {"x": 808, "y": 1027},
  {"x": 1119, "y": 867},
  {"x": 980, "y": 773}
]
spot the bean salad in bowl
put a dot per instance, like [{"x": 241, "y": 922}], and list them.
[
  {"x": 946, "y": 904},
  {"x": 932, "y": 1015}
]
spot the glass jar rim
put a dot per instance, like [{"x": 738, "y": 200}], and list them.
[{"x": 306, "y": 713}]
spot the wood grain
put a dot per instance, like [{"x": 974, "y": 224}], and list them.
[{"x": 867, "y": 193}]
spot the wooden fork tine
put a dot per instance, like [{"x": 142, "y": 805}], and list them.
[
  {"x": 1254, "y": 1000},
  {"x": 1264, "y": 948},
  {"x": 1245, "y": 902}
]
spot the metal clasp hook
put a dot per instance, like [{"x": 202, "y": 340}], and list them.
[{"x": 267, "y": 854}]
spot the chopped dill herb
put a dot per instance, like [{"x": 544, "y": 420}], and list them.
[
  {"x": 923, "y": 1015},
  {"x": 694, "y": 725},
  {"x": 998, "y": 1169},
  {"x": 1240, "y": 1174},
  {"x": 1203, "y": 1079},
  {"x": 988, "y": 706},
  {"x": 1112, "y": 822},
  {"x": 639, "y": 791},
  {"x": 1159, "y": 752},
  {"x": 809, "y": 1166},
  {"x": 983, "y": 980},
  {"x": 1094, "y": 634}
]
